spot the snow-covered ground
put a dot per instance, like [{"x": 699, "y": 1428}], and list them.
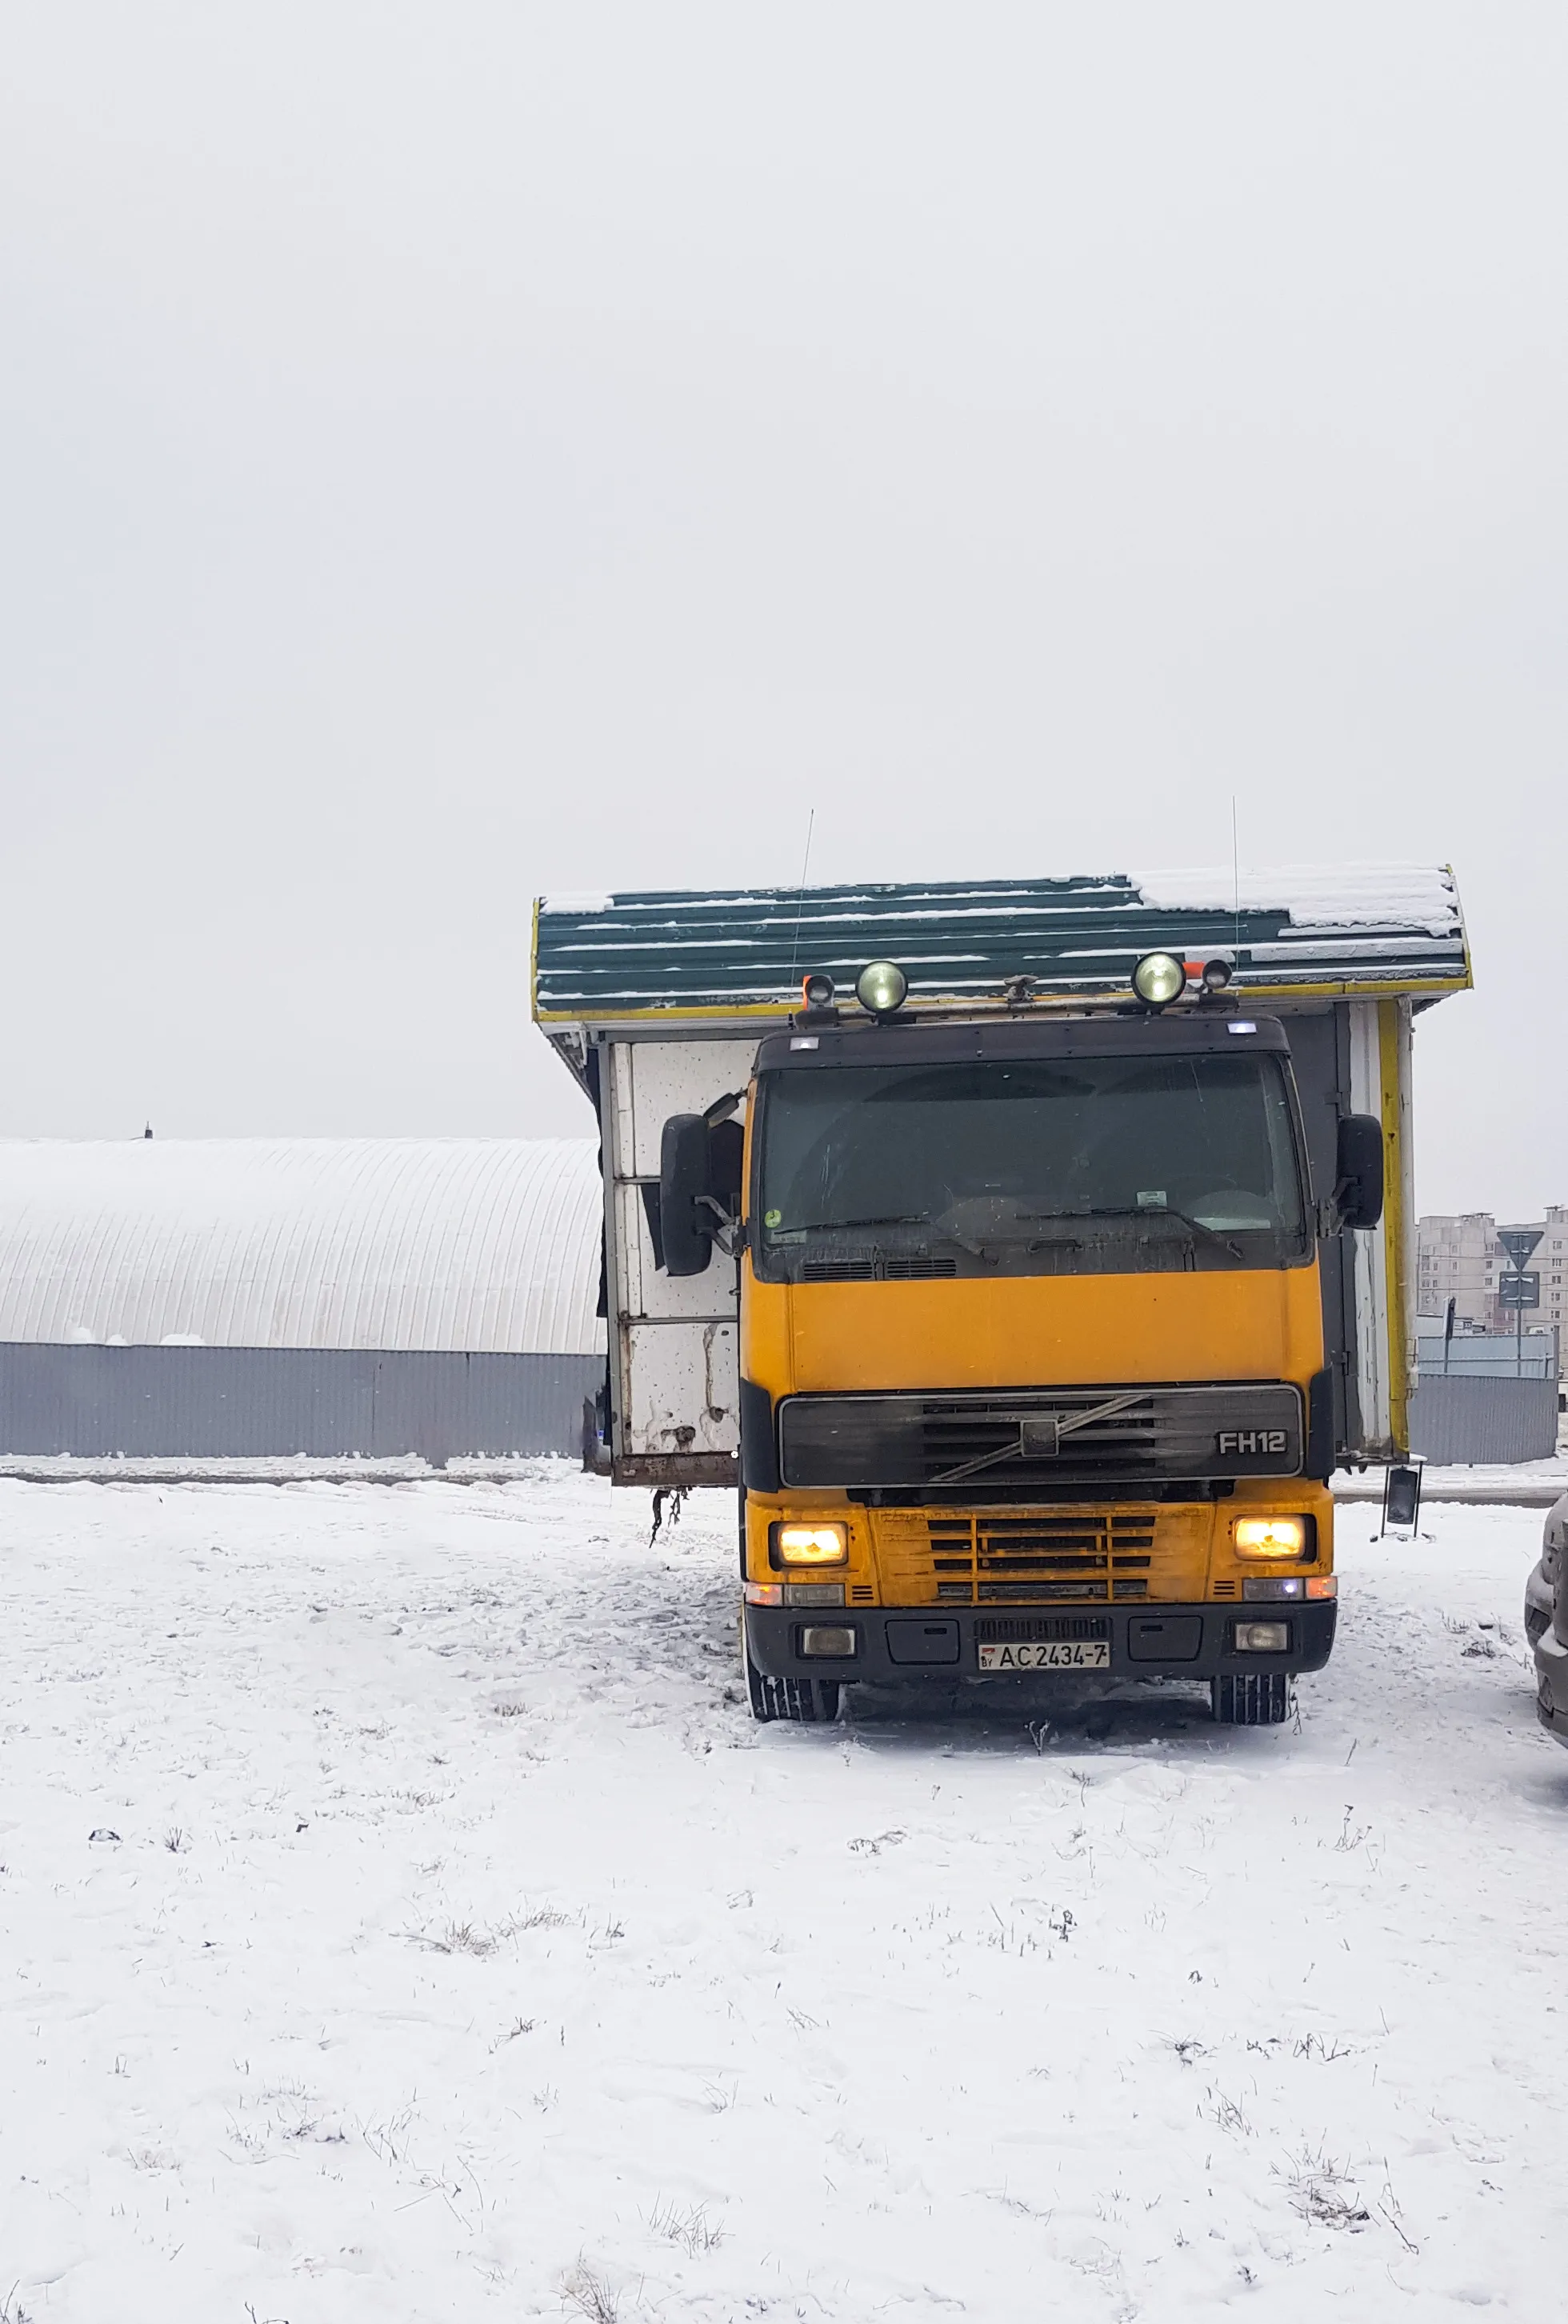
[{"x": 402, "y": 1920}]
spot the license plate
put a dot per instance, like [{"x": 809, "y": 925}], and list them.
[{"x": 1059, "y": 1653}]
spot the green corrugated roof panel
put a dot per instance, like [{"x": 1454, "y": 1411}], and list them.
[{"x": 1352, "y": 929}]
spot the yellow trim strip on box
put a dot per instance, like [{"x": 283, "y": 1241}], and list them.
[{"x": 1394, "y": 1270}]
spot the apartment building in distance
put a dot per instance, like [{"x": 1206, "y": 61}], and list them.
[{"x": 1461, "y": 1260}]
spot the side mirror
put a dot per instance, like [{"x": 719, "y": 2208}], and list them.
[
  {"x": 1359, "y": 1191},
  {"x": 685, "y": 1172}
]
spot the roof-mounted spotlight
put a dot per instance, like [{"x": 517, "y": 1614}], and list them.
[
  {"x": 1159, "y": 979},
  {"x": 880, "y": 987},
  {"x": 1217, "y": 973}
]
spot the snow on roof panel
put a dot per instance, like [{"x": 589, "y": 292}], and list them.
[
  {"x": 472, "y": 1244},
  {"x": 1347, "y": 928}
]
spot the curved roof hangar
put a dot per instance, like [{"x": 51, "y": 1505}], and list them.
[{"x": 483, "y": 1244}]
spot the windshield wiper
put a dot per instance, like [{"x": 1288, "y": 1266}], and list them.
[
  {"x": 827, "y": 1226},
  {"x": 1164, "y": 1211}
]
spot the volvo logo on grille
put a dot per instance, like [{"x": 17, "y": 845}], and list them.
[
  {"x": 1251, "y": 1440},
  {"x": 1040, "y": 1439}
]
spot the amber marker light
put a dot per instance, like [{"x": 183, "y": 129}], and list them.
[
  {"x": 811, "y": 1544},
  {"x": 1271, "y": 1537}
]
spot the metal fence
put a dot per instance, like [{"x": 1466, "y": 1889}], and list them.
[
  {"x": 1489, "y": 1355},
  {"x": 265, "y": 1403},
  {"x": 1468, "y": 1421}
]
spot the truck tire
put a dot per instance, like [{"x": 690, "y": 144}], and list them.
[
  {"x": 807, "y": 1702},
  {"x": 1251, "y": 1699}
]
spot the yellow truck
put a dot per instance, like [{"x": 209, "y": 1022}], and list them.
[{"x": 1027, "y": 1254}]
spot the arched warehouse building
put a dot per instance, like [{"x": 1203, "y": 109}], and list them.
[{"x": 262, "y": 1298}]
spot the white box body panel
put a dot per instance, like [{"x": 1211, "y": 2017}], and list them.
[{"x": 674, "y": 1341}]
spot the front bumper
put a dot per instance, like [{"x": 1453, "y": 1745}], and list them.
[
  {"x": 1552, "y": 1685},
  {"x": 898, "y": 1643}
]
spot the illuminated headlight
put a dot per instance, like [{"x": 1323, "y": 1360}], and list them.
[
  {"x": 811, "y": 1544},
  {"x": 881, "y": 988},
  {"x": 1158, "y": 978},
  {"x": 1272, "y": 1536}
]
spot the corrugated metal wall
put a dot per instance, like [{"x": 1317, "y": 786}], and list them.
[
  {"x": 1474, "y": 1422},
  {"x": 270, "y": 1403}
]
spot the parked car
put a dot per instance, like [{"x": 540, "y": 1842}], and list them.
[
  {"x": 1551, "y": 1641},
  {"x": 1544, "y": 1574}
]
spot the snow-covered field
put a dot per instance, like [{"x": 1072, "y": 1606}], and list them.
[{"x": 401, "y": 1920}]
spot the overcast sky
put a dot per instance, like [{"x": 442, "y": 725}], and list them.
[{"x": 451, "y": 452}]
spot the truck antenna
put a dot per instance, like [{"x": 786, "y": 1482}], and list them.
[
  {"x": 1235, "y": 873},
  {"x": 800, "y": 898}
]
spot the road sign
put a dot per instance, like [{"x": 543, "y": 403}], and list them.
[
  {"x": 1520, "y": 1290},
  {"x": 1519, "y": 1242}
]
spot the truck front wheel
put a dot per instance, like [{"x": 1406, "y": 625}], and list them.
[
  {"x": 1251, "y": 1699},
  {"x": 809, "y": 1701}
]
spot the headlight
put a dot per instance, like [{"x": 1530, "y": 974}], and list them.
[
  {"x": 811, "y": 1544},
  {"x": 1158, "y": 978},
  {"x": 1272, "y": 1536},
  {"x": 881, "y": 988}
]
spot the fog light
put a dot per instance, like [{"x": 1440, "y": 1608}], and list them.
[
  {"x": 829, "y": 1644},
  {"x": 881, "y": 988},
  {"x": 814, "y": 1593},
  {"x": 1271, "y": 1537},
  {"x": 1160, "y": 977},
  {"x": 809, "y": 1545},
  {"x": 1262, "y": 1638},
  {"x": 1265, "y": 1586}
]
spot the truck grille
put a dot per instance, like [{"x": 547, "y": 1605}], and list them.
[
  {"x": 989, "y": 1561},
  {"x": 1040, "y": 1629},
  {"x": 1008, "y": 1440}
]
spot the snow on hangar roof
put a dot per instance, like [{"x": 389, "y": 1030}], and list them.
[
  {"x": 1338, "y": 930},
  {"x": 471, "y": 1243}
]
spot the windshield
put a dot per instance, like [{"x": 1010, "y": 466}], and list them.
[{"x": 1035, "y": 1167}]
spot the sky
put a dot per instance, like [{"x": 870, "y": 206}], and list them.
[{"x": 451, "y": 452}]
